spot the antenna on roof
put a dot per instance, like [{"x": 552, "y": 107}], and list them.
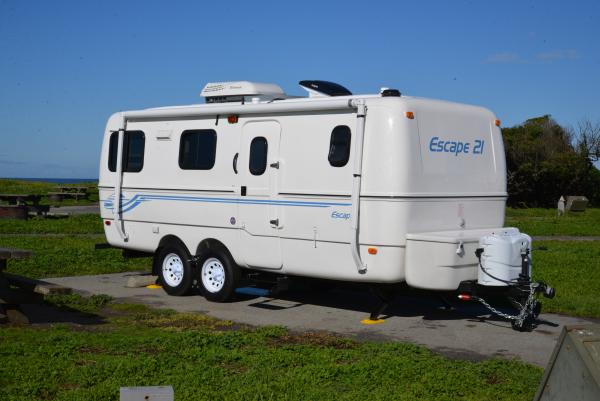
[{"x": 324, "y": 88}]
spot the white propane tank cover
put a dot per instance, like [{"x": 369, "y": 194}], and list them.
[{"x": 501, "y": 257}]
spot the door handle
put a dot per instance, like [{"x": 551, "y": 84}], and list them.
[
  {"x": 235, "y": 162},
  {"x": 274, "y": 222},
  {"x": 274, "y": 165}
]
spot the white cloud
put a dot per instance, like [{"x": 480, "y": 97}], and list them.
[
  {"x": 554, "y": 55},
  {"x": 549, "y": 56}
]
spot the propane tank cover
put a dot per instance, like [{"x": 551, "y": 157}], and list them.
[{"x": 502, "y": 257}]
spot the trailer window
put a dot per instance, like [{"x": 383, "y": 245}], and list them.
[
  {"x": 197, "y": 149},
  {"x": 133, "y": 151},
  {"x": 339, "y": 146},
  {"x": 258, "y": 155}
]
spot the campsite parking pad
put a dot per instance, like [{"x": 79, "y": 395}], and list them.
[{"x": 468, "y": 331}]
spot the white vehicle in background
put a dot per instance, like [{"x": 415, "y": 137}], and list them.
[{"x": 378, "y": 188}]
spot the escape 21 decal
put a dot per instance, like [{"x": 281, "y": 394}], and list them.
[{"x": 438, "y": 144}]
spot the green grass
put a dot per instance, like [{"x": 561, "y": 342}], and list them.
[
  {"x": 207, "y": 359},
  {"x": 573, "y": 268},
  {"x": 68, "y": 256},
  {"x": 11, "y": 186},
  {"x": 71, "y": 253},
  {"x": 546, "y": 222},
  {"x": 75, "y": 224}
]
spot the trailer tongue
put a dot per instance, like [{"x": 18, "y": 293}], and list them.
[{"x": 504, "y": 260}]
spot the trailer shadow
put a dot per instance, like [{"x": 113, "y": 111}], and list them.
[
  {"x": 408, "y": 303},
  {"x": 43, "y": 314}
]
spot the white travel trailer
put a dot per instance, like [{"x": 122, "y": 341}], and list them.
[{"x": 377, "y": 188}]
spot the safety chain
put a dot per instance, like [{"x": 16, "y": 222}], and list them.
[{"x": 526, "y": 309}]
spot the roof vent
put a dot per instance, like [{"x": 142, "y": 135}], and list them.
[
  {"x": 387, "y": 92},
  {"x": 240, "y": 91},
  {"x": 324, "y": 88}
]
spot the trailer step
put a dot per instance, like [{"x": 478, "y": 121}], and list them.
[{"x": 254, "y": 291}]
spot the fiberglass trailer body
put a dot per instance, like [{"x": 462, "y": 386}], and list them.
[{"x": 372, "y": 188}]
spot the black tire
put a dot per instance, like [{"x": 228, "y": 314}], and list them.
[
  {"x": 172, "y": 264},
  {"x": 218, "y": 274}
]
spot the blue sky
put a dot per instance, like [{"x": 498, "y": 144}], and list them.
[{"x": 65, "y": 66}]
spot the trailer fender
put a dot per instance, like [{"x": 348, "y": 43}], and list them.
[
  {"x": 210, "y": 244},
  {"x": 167, "y": 239}
]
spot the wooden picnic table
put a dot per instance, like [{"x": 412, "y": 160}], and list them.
[
  {"x": 20, "y": 205},
  {"x": 64, "y": 191},
  {"x": 70, "y": 188},
  {"x": 28, "y": 291},
  {"x": 21, "y": 199}
]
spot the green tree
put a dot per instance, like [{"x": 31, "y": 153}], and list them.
[{"x": 545, "y": 161}]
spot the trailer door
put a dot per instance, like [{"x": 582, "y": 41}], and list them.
[{"x": 258, "y": 166}]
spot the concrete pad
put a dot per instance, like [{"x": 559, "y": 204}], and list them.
[
  {"x": 140, "y": 280},
  {"x": 467, "y": 331}
]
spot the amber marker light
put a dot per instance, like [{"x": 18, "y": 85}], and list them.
[
  {"x": 232, "y": 119},
  {"x": 372, "y": 251},
  {"x": 497, "y": 122},
  {"x": 410, "y": 115}
]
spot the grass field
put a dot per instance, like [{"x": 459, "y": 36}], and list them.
[
  {"x": 10, "y": 186},
  {"x": 68, "y": 256},
  {"x": 546, "y": 222},
  {"x": 131, "y": 345},
  {"x": 64, "y": 247},
  {"x": 573, "y": 268},
  {"x": 207, "y": 359},
  {"x": 76, "y": 224}
]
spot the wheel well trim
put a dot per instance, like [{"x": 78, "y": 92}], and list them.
[{"x": 167, "y": 239}]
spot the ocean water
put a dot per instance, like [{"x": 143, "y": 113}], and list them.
[{"x": 59, "y": 180}]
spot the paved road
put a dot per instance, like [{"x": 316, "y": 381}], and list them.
[
  {"x": 467, "y": 332},
  {"x": 82, "y": 209}
]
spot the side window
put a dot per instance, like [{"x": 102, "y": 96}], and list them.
[
  {"x": 339, "y": 146},
  {"x": 134, "y": 143},
  {"x": 258, "y": 155},
  {"x": 197, "y": 149}
]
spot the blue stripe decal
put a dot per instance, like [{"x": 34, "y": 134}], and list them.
[{"x": 128, "y": 204}]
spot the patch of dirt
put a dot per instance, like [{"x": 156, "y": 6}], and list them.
[
  {"x": 493, "y": 379},
  {"x": 85, "y": 362},
  {"x": 99, "y": 350},
  {"x": 149, "y": 350},
  {"x": 314, "y": 338},
  {"x": 69, "y": 386},
  {"x": 93, "y": 350},
  {"x": 234, "y": 367},
  {"x": 184, "y": 321}
]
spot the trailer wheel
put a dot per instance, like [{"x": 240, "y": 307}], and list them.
[
  {"x": 174, "y": 269},
  {"x": 219, "y": 275}
]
